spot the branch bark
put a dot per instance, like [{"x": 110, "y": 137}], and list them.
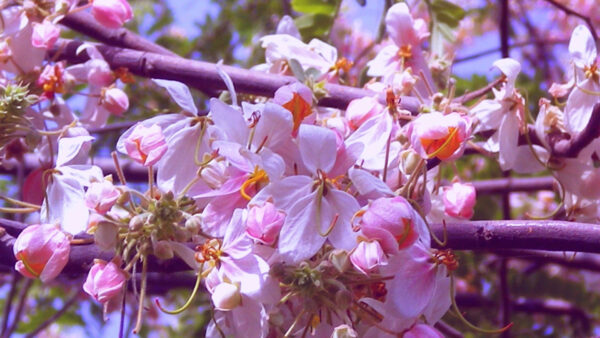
[
  {"x": 476, "y": 235},
  {"x": 204, "y": 76},
  {"x": 571, "y": 147}
]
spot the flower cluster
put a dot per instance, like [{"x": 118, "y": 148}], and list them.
[{"x": 296, "y": 218}]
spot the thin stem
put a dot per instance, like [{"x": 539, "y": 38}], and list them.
[
  {"x": 55, "y": 316},
  {"x": 20, "y": 307},
  {"x": 138, "y": 325},
  {"x": 151, "y": 181},
  {"x": 9, "y": 300}
]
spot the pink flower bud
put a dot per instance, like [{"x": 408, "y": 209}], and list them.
[
  {"x": 360, "y": 110},
  {"x": 459, "y": 200},
  {"x": 367, "y": 256},
  {"x": 264, "y": 223},
  {"x": 296, "y": 98},
  {"x": 44, "y": 34},
  {"x": 146, "y": 145},
  {"x": 42, "y": 251},
  {"x": 111, "y": 13},
  {"x": 226, "y": 296},
  {"x": 115, "y": 101},
  {"x": 391, "y": 222},
  {"x": 437, "y": 135},
  {"x": 104, "y": 281},
  {"x": 101, "y": 196}
]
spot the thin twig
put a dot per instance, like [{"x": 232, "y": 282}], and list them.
[
  {"x": 55, "y": 316},
  {"x": 20, "y": 308},
  {"x": 514, "y": 45},
  {"x": 9, "y": 300},
  {"x": 479, "y": 92}
]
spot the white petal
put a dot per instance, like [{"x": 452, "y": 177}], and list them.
[
  {"x": 230, "y": 121},
  {"x": 509, "y": 139},
  {"x": 299, "y": 238},
  {"x": 180, "y": 93},
  {"x": 579, "y": 106},
  {"x": 582, "y": 47},
  {"x": 317, "y": 147},
  {"x": 510, "y": 68}
]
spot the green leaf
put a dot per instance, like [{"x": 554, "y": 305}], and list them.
[
  {"x": 297, "y": 69},
  {"x": 447, "y": 12},
  {"x": 326, "y": 7},
  {"x": 313, "y": 25}
]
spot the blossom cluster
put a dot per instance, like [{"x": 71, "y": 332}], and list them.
[{"x": 297, "y": 218}]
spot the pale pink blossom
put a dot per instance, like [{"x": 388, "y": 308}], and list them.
[
  {"x": 459, "y": 200},
  {"x": 264, "y": 222},
  {"x": 101, "y": 196},
  {"x": 392, "y": 222},
  {"x": 111, "y": 13},
  {"x": 367, "y": 256},
  {"x": 42, "y": 251},
  {"x": 115, "y": 101},
  {"x": 360, "y": 110},
  {"x": 436, "y": 135},
  {"x": 422, "y": 331},
  {"x": 146, "y": 145},
  {"x": 104, "y": 281},
  {"x": 226, "y": 296},
  {"x": 297, "y": 99},
  {"x": 44, "y": 34}
]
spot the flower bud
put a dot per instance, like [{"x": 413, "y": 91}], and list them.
[
  {"x": 115, "y": 101},
  {"x": 194, "y": 224},
  {"x": 101, "y": 196},
  {"x": 111, "y": 13},
  {"x": 104, "y": 281},
  {"x": 436, "y": 135},
  {"x": 391, "y": 222},
  {"x": 137, "y": 222},
  {"x": 264, "y": 222},
  {"x": 360, "y": 110},
  {"x": 44, "y": 34},
  {"x": 459, "y": 200},
  {"x": 42, "y": 251},
  {"x": 344, "y": 331},
  {"x": 226, "y": 296},
  {"x": 339, "y": 259},
  {"x": 146, "y": 145},
  {"x": 367, "y": 256},
  {"x": 297, "y": 99}
]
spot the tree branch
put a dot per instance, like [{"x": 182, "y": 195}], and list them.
[
  {"x": 204, "y": 76},
  {"x": 85, "y": 23},
  {"x": 476, "y": 235}
]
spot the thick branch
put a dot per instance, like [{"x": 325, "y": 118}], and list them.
[
  {"x": 85, "y": 23},
  {"x": 204, "y": 75},
  {"x": 477, "y": 235}
]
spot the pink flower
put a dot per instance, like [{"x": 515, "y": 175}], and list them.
[
  {"x": 146, "y": 145},
  {"x": 391, "y": 221},
  {"x": 42, "y": 251},
  {"x": 111, "y": 13},
  {"x": 437, "y": 135},
  {"x": 101, "y": 196},
  {"x": 422, "y": 330},
  {"x": 44, "y": 34},
  {"x": 104, "y": 281},
  {"x": 459, "y": 200},
  {"x": 367, "y": 256},
  {"x": 297, "y": 98},
  {"x": 115, "y": 101},
  {"x": 226, "y": 296},
  {"x": 360, "y": 110},
  {"x": 264, "y": 223}
]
